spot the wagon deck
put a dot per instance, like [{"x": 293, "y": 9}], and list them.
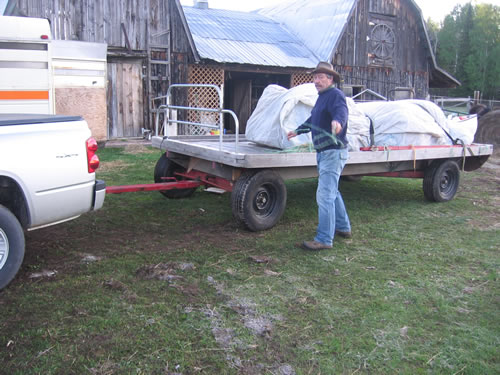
[{"x": 245, "y": 154}]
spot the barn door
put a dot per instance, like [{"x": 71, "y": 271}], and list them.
[
  {"x": 125, "y": 98},
  {"x": 241, "y": 102}
]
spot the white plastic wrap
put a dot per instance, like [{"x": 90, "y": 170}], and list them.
[
  {"x": 463, "y": 128},
  {"x": 406, "y": 122},
  {"x": 280, "y": 110},
  {"x": 397, "y": 123}
]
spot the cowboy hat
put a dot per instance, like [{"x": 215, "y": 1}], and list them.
[{"x": 327, "y": 68}]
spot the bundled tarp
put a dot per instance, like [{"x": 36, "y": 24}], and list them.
[
  {"x": 407, "y": 122},
  {"x": 397, "y": 123},
  {"x": 280, "y": 110},
  {"x": 416, "y": 122}
]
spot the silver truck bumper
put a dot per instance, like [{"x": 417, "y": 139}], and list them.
[{"x": 99, "y": 194}]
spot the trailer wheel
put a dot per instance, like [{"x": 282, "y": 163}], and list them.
[
  {"x": 167, "y": 168},
  {"x": 441, "y": 180},
  {"x": 258, "y": 199},
  {"x": 11, "y": 246}
]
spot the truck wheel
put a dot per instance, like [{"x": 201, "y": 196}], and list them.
[
  {"x": 11, "y": 246},
  {"x": 167, "y": 168},
  {"x": 258, "y": 199},
  {"x": 441, "y": 180}
]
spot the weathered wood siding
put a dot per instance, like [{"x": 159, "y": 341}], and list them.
[
  {"x": 407, "y": 65},
  {"x": 102, "y": 21},
  {"x": 126, "y": 95}
]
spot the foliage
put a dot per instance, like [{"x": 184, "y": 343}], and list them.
[
  {"x": 433, "y": 30},
  {"x": 468, "y": 47}
]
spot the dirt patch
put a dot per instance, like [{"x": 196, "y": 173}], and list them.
[
  {"x": 105, "y": 368},
  {"x": 66, "y": 248},
  {"x": 115, "y": 285},
  {"x": 109, "y": 166},
  {"x": 135, "y": 149},
  {"x": 486, "y": 179},
  {"x": 260, "y": 325},
  {"x": 262, "y": 259},
  {"x": 163, "y": 271}
]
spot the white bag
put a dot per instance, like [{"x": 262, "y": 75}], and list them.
[
  {"x": 463, "y": 128},
  {"x": 407, "y": 122},
  {"x": 280, "y": 110}
]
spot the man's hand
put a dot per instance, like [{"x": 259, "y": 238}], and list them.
[
  {"x": 291, "y": 134},
  {"x": 336, "y": 127}
]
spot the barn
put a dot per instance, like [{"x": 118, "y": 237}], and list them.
[{"x": 380, "y": 47}]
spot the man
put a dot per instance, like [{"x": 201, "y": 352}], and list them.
[{"x": 328, "y": 124}]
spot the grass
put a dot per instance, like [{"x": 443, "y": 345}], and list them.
[{"x": 177, "y": 288}]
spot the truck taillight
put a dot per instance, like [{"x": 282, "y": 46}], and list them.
[{"x": 92, "y": 158}]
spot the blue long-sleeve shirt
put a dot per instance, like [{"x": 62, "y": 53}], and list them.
[{"x": 331, "y": 105}]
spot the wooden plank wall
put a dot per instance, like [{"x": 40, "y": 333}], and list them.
[
  {"x": 387, "y": 7},
  {"x": 410, "y": 69},
  {"x": 125, "y": 92},
  {"x": 180, "y": 41},
  {"x": 101, "y": 21}
]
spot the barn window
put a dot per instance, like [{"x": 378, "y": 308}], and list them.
[{"x": 381, "y": 43}]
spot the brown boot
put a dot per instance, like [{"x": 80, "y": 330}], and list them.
[
  {"x": 315, "y": 245},
  {"x": 343, "y": 234}
]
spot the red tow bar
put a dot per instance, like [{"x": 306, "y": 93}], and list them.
[{"x": 153, "y": 187}]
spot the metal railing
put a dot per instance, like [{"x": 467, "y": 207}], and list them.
[
  {"x": 462, "y": 105},
  {"x": 167, "y": 120}
]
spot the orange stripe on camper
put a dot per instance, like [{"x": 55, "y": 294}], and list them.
[{"x": 24, "y": 95}]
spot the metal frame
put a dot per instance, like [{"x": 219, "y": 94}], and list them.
[{"x": 165, "y": 108}]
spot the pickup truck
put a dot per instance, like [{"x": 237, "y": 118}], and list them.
[{"x": 47, "y": 176}]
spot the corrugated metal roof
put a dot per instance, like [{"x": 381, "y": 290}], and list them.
[
  {"x": 245, "y": 38},
  {"x": 316, "y": 23}
]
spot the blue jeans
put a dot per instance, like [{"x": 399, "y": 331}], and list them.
[{"x": 332, "y": 214}]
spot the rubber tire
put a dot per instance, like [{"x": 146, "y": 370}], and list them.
[
  {"x": 12, "y": 238},
  {"x": 258, "y": 199},
  {"x": 441, "y": 180},
  {"x": 167, "y": 168}
]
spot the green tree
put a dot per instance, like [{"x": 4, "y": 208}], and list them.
[
  {"x": 433, "y": 30},
  {"x": 482, "y": 66},
  {"x": 466, "y": 26},
  {"x": 468, "y": 47},
  {"x": 447, "y": 51}
]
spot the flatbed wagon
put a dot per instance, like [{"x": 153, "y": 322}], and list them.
[{"x": 255, "y": 174}]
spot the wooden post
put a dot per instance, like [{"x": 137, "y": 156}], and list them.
[{"x": 477, "y": 97}]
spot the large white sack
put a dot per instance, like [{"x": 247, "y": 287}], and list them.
[
  {"x": 358, "y": 128},
  {"x": 407, "y": 122},
  {"x": 463, "y": 128},
  {"x": 280, "y": 110}
]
